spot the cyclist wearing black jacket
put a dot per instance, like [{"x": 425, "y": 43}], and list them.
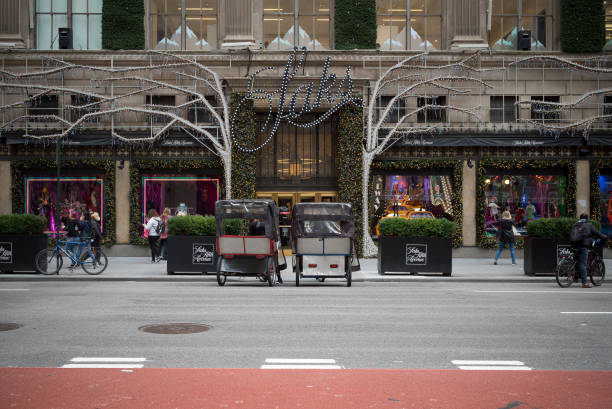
[{"x": 581, "y": 236}]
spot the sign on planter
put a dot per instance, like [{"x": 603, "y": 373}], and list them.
[
  {"x": 564, "y": 251},
  {"x": 203, "y": 253},
  {"x": 6, "y": 252},
  {"x": 416, "y": 254}
]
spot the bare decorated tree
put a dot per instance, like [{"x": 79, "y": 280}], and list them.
[
  {"x": 101, "y": 97},
  {"x": 413, "y": 79}
]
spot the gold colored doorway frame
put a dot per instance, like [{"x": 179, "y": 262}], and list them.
[{"x": 298, "y": 196}]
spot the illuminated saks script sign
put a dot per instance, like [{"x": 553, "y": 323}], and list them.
[{"x": 301, "y": 102}]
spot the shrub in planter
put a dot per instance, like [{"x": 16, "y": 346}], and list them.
[
  {"x": 415, "y": 245},
  {"x": 191, "y": 226},
  {"x": 546, "y": 242},
  {"x": 21, "y": 238}
]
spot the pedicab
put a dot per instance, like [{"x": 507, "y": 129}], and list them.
[
  {"x": 323, "y": 241},
  {"x": 248, "y": 240}
]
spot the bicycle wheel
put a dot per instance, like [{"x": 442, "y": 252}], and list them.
[
  {"x": 597, "y": 272},
  {"x": 49, "y": 261},
  {"x": 565, "y": 272},
  {"x": 271, "y": 270},
  {"x": 95, "y": 267}
]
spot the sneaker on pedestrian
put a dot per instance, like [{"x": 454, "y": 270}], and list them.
[
  {"x": 495, "y": 262},
  {"x": 587, "y": 285},
  {"x": 157, "y": 259}
]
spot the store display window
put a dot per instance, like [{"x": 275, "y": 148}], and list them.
[
  {"x": 404, "y": 194},
  {"x": 605, "y": 195},
  {"x": 527, "y": 196},
  {"x": 78, "y": 195},
  {"x": 183, "y": 195}
]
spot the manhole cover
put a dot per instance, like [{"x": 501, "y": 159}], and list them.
[
  {"x": 7, "y": 326},
  {"x": 174, "y": 328}
]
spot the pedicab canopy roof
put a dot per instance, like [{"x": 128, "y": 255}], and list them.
[
  {"x": 322, "y": 220},
  {"x": 264, "y": 210}
]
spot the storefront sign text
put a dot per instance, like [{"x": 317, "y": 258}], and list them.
[
  {"x": 6, "y": 252},
  {"x": 564, "y": 251},
  {"x": 416, "y": 254},
  {"x": 203, "y": 253}
]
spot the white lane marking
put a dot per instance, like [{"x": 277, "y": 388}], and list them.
[
  {"x": 114, "y": 359},
  {"x": 543, "y": 291},
  {"x": 299, "y": 361},
  {"x": 488, "y": 365},
  {"x": 121, "y": 366},
  {"x": 495, "y": 368},
  {"x": 301, "y": 367},
  {"x": 586, "y": 312},
  {"x": 14, "y": 289},
  {"x": 468, "y": 362}
]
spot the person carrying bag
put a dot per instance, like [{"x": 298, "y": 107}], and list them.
[
  {"x": 505, "y": 234},
  {"x": 153, "y": 228}
]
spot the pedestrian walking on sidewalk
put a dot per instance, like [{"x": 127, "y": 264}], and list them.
[
  {"x": 153, "y": 228},
  {"x": 163, "y": 237},
  {"x": 505, "y": 235}
]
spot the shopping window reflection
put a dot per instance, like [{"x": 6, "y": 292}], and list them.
[
  {"x": 605, "y": 195},
  {"x": 78, "y": 195},
  {"x": 413, "y": 193},
  {"x": 527, "y": 197},
  {"x": 185, "y": 195}
]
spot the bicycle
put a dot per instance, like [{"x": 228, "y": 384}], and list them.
[
  {"x": 566, "y": 272},
  {"x": 50, "y": 261}
]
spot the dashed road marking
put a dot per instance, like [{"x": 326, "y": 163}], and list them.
[
  {"x": 489, "y": 365},
  {"x": 106, "y": 362},
  {"x": 586, "y": 312},
  {"x": 300, "y": 363}
]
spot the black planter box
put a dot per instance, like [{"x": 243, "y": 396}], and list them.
[
  {"x": 192, "y": 254},
  {"x": 415, "y": 255},
  {"x": 541, "y": 254},
  {"x": 18, "y": 252}
]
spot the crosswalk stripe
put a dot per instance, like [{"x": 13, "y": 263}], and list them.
[
  {"x": 113, "y": 359},
  {"x": 301, "y": 367},
  {"x": 494, "y": 368},
  {"x": 469, "y": 362},
  {"x": 299, "y": 361},
  {"x": 122, "y": 366}
]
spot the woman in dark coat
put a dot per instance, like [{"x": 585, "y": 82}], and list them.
[{"x": 505, "y": 235}]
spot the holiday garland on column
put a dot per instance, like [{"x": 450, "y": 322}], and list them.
[
  {"x": 484, "y": 165},
  {"x": 123, "y": 25},
  {"x": 456, "y": 169},
  {"x": 597, "y": 166},
  {"x": 349, "y": 163},
  {"x": 19, "y": 169},
  {"x": 355, "y": 24},
  {"x": 174, "y": 166},
  {"x": 243, "y": 162}
]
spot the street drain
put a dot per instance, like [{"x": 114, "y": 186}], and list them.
[
  {"x": 174, "y": 328},
  {"x": 8, "y": 326}
]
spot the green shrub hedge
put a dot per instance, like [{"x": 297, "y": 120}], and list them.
[
  {"x": 203, "y": 226},
  {"x": 191, "y": 226},
  {"x": 402, "y": 227},
  {"x": 22, "y": 224},
  {"x": 555, "y": 228}
]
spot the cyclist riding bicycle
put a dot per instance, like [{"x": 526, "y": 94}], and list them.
[{"x": 582, "y": 237}]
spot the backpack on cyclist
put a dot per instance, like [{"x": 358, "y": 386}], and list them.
[
  {"x": 579, "y": 232},
  {"x": 160, "y": 228}
]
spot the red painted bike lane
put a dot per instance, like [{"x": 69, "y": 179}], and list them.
[{"x": 304, "y": 389}]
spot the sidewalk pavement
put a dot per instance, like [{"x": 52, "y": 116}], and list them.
[{"x": 141, "y": 269}]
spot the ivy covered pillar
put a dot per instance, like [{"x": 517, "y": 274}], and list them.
[
  {"x": 5, "y": 187},
  {"x": 243, "y": 161},
  {"x": 123, "y": 25},
  {"x": 349, "y": 164},
  {"x": 122, "y": 202}
]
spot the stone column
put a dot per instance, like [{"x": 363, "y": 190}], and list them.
[
  {"x": 122, "y": 202},
  {"x": 237, "y": 18},
  {"x": 469, "y": 204},
  {"x": 583, "y": 187},
  {"x": 6, "y": 203},
  {"x": 467, "y": 22}
]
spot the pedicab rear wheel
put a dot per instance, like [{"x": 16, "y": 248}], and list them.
[
  {"x": 297, "y": 271},
  {"x": 349, "y": 273},
  {"x": 221, "y": 278},
  {"x": 271, "y": 271}
]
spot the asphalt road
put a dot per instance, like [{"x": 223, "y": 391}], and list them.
[{"x": 370, "y": 325}]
